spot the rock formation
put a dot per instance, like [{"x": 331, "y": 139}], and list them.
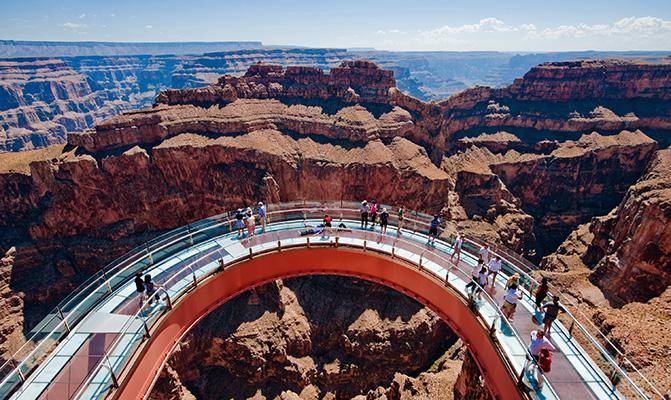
[
  {"x": 111, "y": 83},
  {"x": 317, "y": 337},
  {"x": 521, "y": 165}
]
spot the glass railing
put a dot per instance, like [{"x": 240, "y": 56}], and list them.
[
  {"x": 187, "y": 274},
  {"x": 73, "y": 309}
]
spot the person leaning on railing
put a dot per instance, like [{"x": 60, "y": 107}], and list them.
[{"x": 539, "y": 344}]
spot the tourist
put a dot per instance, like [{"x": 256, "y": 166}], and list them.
[
  {"x": 433, "y": 229},
  {"x": 494, "y": 268},
  {"x": 139, "y": 286},
  {"x": 239, "y": 223},
  {"x": 482, "y": 280},
  {"x": 484, "y": 253},
  {"x": 541, "y": 293},
  {"x": 364, "y": 214},
  {"x": 251, "y": 222},
  {"x": 475, "y": 275},
  {"x": 150, "y": 288},
  {"x": 384, "y": 220},
  {"x": 401, "y": 217},
  {"x": 539, "y": 343},
  {"x": 545, "y": 364},
  {"x": 552, "y": 311},
  {"x": 458, "y": 243},
  {"x": 327, "y": 225},
  {"x": 262, "y": 216},
  {"x": 373, "y": 214},
  {"x": 510, "y": 300},
  {"x": 514, "y": 279}
]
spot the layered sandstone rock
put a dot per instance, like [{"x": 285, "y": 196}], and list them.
[
  {"x": 41, "y": 99},
  {"x": 632, "y": 245},
  {"x": 331, "y": 336},
  {"x": 288, "y": 134}
]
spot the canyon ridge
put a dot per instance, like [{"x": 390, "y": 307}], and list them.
[{"x": 568, "y": 166}]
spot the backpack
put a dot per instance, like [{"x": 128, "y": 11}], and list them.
[{"x": 545, "y": 360}]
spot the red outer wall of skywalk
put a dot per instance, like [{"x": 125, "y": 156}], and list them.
[{"x": 315, "y": 261}]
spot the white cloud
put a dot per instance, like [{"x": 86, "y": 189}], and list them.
[
  {"x": 148, "y": 26},
  {"x": 391, "y": 32},
  {"x": 639, "y": 26},
  {"x": 629, "y": 33},
  {"x": 82, "y": 16},
  {"x": 73, "y": 25}
]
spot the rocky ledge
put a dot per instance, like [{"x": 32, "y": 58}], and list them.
[{"x": 526, "y": 171}]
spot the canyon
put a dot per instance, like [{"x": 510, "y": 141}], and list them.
[
  {"x": 50, "y": 88},
  {"x": 567, "y": 165}
]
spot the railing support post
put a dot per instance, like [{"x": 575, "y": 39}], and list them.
[
  {"x": 279, "y": 245},
  {"x": 520, "y": 377},
  {"x": 492, "y": 329},
  {"x": 337, "y": 241},
  {"x": 308, "y": 238},
  {"x": 393, "y": 252},
  {"x": 146, "y": 328},
  {"x": 195, "y": 280},
  {"x": 115, "y": 381},
  {"x": 251, "y": 253},
  {"x": 364, "y": 245},
  {"x": 188, "y": 227},
  {"x": 168, "y": 299},
  {"x": 18, "y": 371},
  {"x": 65, "y": 321},
  {"x": 421, "y": 258},
  {"x": 570, "y": 328},
  {"x": 107, "y": 283}
]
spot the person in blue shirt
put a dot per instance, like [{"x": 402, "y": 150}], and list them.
[
  {"x": 433, "y": 229},
  {"x": 262, "y": 215}
]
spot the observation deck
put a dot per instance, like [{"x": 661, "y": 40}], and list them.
[{"x": 104, "y": 342}]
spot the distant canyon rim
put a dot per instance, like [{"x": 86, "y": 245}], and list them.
[{"x": 568, "y": 165}]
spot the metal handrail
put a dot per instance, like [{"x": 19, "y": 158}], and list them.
[
  {"x": 173, "y": 237},
  {"x": 575, "y": 322},
  {"x": 177, "y": 275}
]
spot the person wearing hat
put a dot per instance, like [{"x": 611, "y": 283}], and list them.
[
  {"x": 364, "y": 214},
  {"x": 262, "y": 216},
  {"x": 384, "y": 220}
]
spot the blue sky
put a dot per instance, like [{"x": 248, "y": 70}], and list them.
[{"x": 394, "y": 25}]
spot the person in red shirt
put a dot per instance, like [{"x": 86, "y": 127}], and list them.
[{"x": 327, "y": 225}]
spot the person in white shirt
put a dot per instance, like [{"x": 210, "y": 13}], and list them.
[
  {"x": 539, "y": 343},
  {"x": 364, "y": 209},
  {"x": 458, "y": 242},
  {"x": 262, "y": 215},
  {"x": 484, "y": 253},
  {"x": 494, "y": 268},
  {"x": 510, "y": 301},
  {"x": 475, "y": 275}
]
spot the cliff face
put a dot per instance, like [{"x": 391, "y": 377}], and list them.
[
  {"x": 617, "y": 269},
  {"x": 42, "y": 99},
  {"x": 316, "y": 337},
  {"x": 631, "y": 249},
  {"x": 504, "y": 164}
]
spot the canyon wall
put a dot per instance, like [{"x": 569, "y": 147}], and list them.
[
  {"x": 110, "y": 83},
  {"x": 519, "y": 165},
  {"x": 313, "y": 337}
]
